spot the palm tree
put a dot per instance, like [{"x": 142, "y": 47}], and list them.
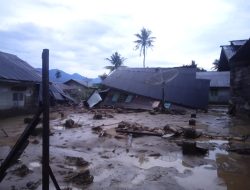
[
  {"x": 216, "y": 65},
  {"x": 58, "y": 74},
  {"x": 103, "y": 76},
  {"x": 144, "y": 41},
  {"x": 116, "y": 61}
]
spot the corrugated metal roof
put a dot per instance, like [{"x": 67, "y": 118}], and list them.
[
  {"x": 13, "y": 68},
  {"x": 238, "y": 42},
  {"x": 58, "y": 93},
  {"x": 217, "y": 79},
  {"x": 229, "y": 51},
  {"x": 181, "y": 86},
  {"x": 243, "y": 53},
  {"x": 81, "y": 82}
]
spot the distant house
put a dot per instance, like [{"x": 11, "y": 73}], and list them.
[
  {"x": 59, "y": 93},
  {"x": 19, "y": 83},
  {"x": 227, "y": 52},
  {"x": 219, "y": 92},
  {"x": 240, "y": 79},
  {"x": 80, "y": 90},
  {"x": 145, "y": 87}
]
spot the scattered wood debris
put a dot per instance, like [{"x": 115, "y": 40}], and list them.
[{"x": 80, "y": 178}]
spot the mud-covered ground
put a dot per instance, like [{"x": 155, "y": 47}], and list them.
[{"x": 120, "y": 161}]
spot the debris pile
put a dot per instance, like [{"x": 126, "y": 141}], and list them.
[
  {"x": 138, "y": 129},
  {"x": 80, "y": 178},
  {"x": 71, "y": 124},
  {"x": 76, "y": 161},
  {"x": 21, "y": 171}
]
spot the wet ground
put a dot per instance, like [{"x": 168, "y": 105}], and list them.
[{"x": 119, "y": 161}]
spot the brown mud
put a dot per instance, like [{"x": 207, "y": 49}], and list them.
[{"x": 81, "y": 158}]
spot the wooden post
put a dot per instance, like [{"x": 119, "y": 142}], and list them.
[{"x": 45, "y": 85}]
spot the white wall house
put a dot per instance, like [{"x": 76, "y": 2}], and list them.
[{"x": 19, "y": 83}]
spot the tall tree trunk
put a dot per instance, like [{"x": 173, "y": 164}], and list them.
[{"x": 144, "y": 56}]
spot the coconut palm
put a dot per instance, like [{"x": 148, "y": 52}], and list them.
[
  {"x": 58, "y": 74},
  {"x": 216, "y": 65},
  {"x": 144, "y": 41},
  {"x": 116, "y": 61}
]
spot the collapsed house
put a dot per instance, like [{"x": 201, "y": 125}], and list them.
[
  {"x": 219, "y": 92},
  {"x": 145, "y": 88},
  {"x": 80, "y": 90},
  {"x": 19, "y": 84},
  {"x": 240, "y": 79},
  {"x": 59, "y": 93}
]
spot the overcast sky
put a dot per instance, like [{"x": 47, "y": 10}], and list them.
[{"x": 82, "y": 33}]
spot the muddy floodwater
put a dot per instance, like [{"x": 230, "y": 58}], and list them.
[{"x": 123, "y": 161}]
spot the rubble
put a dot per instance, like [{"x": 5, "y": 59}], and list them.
[
  {"x": 22, "y": 171},
  {"x": 137, "y": 129},
  {"x": 33, "y": 185},
  {"x": 97, "y": 116},
  {"x": 80, "y": 178},
  {"x": 76, "y": 161},
  {"x": 71, "y": 124}
]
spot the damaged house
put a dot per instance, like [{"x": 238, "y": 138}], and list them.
[
  {"x": 144, "y": 88},
  {"x": 240, "y": 79},
  {"x": 19, "y": 84},
  {"x": 79, "y": 90},
  {"x": 219, "y": 92}
]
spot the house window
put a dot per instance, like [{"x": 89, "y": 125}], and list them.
[
  {"x": 115, "y": 97},
  {"x": 17, "y": 96},
  {"x": 129, "y": 98},
  {"x": 214, "y": 92},
  {"x": 122, "y": 97}
]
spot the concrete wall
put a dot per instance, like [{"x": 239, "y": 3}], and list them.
[
  {"x": 17, "y": 96},
  {"x": 240, "y": 87},
  {"x": 219, "y": 95}
]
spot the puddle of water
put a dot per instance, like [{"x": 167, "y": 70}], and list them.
[
  {"x": 202, "y": 178},
  {"x": 59, "y": 128},
  {"x": 33, "y": 165},
  {"x": 212, "y": 155},
  {"x": 145, "y": 162},
  {"x": 138, "y": 179},
  {"x": 105, "y": 174},
  {"x": 71, "y": 167}
]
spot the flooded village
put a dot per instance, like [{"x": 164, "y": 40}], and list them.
[{"x": 140, "y": 128}]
